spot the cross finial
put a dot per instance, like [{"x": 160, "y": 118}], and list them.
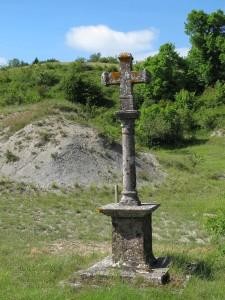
[{"x": 126, "y": 78}]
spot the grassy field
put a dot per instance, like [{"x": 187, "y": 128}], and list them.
[{"x": 46, "y": 237}]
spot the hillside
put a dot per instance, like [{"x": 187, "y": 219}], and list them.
[
  {"x": 46, "y": 236},
  {"x": 170, "y": 118},
  {"x": 72, "y": 153},
  {"x": 60, "y": 157},
  {"x": 57, "y": 153}
]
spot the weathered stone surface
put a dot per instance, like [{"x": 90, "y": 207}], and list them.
[
  {"x": 131, "y": 235},
  {"x": 107, "y": 269},
  {"x": 125, "y": 211},
  {"x": 131, "y": 242},
  {"x": 131, "y": 221},
  {"x": 126, "y": 78}
]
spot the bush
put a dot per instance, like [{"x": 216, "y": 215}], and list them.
[
  {"x": 47, "y": 78},
  {"x": 186, "y": 104},
  {"x": 13, "y": 97},
  {"x": 213, "y": 96},
  {"x": 81, "y": 89},
  {"x": 220, "y": 93},
  {"x": 108, "y": 125},
  {"x": 186, "y": 100},
  {"x": 159, "y": 125},
  {"x": 207, "y": 118}
]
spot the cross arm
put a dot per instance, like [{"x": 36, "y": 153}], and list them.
[
  {"x": 114, "y": 78},
  {"x": 140, "y": 76},
  {"x": 111, "y": 78}
]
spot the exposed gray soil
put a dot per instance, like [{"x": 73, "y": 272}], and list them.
[
  {"x": 56, "y": 151},
  {"x": 219, "y": 133}
]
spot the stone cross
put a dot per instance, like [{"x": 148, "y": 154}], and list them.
[
  {"x": 126, "y": 78},
  {"x": 132, "y": 253},
  {"x": 131, "y": 220}
]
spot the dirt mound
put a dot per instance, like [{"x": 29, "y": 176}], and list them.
[{"x": 56, "y": 151}]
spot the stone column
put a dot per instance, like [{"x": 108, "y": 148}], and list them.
[{"x": 129, "y": 193}]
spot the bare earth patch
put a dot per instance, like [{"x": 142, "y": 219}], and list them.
[{"x": 55, "y": 152}]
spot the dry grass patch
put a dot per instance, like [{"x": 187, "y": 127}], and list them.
[{"x": 62, "y": 247}]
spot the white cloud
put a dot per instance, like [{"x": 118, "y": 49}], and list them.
[
  {"x": 108, "y": 42},
  {"x": 3, "y": 61}
]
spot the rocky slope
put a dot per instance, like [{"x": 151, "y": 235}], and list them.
[{"x": 56, "y": 151}]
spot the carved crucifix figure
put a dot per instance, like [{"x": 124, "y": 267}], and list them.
[{"x": 126, "y": 78}]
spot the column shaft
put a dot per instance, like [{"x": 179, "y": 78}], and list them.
[{"x": 129, "y": 193}]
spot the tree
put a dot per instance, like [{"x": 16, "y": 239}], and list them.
[
  {"x": 207, "y": 36},
  {"x": 15, "y": 62},
  {"x": 168, "y": 74},
  {"x": 80, "y": 89},
  {"x": 159, "y": 124},
  {"x": 95, "y": 57},
  {"x": 36, "y": 61}
]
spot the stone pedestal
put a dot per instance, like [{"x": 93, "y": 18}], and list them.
[
  {"x": 131, "y": 235},
  {"x": 132, "y": 253}
]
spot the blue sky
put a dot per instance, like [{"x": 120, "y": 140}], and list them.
[{"x": 69, "y": 29}]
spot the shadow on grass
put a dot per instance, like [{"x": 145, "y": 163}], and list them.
[
  {"x": 199, "y": 268},
  {"x": 182, "y": 144}
]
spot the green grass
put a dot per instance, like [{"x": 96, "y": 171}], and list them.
[
  {"x": 16, "y": 117},
  {"x": 45, "y": 237}
]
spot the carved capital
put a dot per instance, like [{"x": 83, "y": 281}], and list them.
[{"x": 127, "y": 127}]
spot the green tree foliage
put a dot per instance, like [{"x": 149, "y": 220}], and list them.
[
  {"x": 47, "y": 78},
  {"x": 95, "y": 57},
  {"x": 186, "y": 104},
  {"x": 36, "y": 61},
  {"x": 207, "y": 36},
  {"x": 211, "y": 107},
  {"x": 159, "y": 125},
  {"x": 15, "y": 62},
  {"x": 109, "y": 59},
  {"x": 168, "y": 74},
  {"x": 79, "y": 88}
]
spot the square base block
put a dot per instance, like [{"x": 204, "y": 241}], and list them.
[
  {"x": 106, "y": 269},
  {"x": 131, "y": 235}
]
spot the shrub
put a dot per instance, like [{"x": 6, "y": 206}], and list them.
[
  {"x": 42, "y": 91},
  {"x": 207, "y": 118},
  {"x": 213, "y": 96},
  {"x": 186, "y": 104},
  {"x": 47, "y": 78},
  {"x": 13, "y": 97},
  {"x": 108, "y": 125},
  {"x": 159, "y": 125},
  {"x": 220, "y": 93},
  {"x": 186, "y": 100},
  {"x": 79, "y": 88}
]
